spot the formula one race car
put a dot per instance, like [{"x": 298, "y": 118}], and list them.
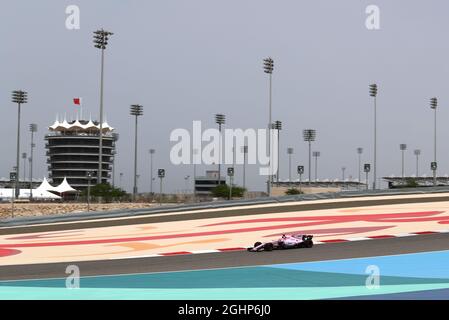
[{"x": 284, "y": 242}]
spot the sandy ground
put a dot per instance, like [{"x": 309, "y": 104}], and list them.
[{"x": 40, "y": 209}]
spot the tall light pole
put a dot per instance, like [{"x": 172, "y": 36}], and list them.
[
  {"x": 268, "y": 66},
  {"x": 367, "y": 169},
  {"x": 402, "y": 147},
  {"x": 33, "y": 129},
  {"x": 309, "y": 136},
  {"x": 151, "y": 152},
  {"x": 115, "y": 137},
  {"x": 195, "y": 153},
  {"x": 114, "y": 154},
  {"x": 277, "y": 125},
  {"x": 24, "y": 158},
  {"x": 417, "y": 152},
  {"x": 316, "y": 154},
  {"x": 245, "y": 155},
  {"x": 300, "y": 170},
  {"x": 343, "y": 169},
  {"x": 29, "y": 166},
  {"x": 359, "y": 153},
  {"x": 373, "y": 93},
  {"x": 231, "y": 176},
  {"x": 120, "y": 182},
  {"x": 433, "y": 105},
  {"x": 89, "y": 176},
  {"x": 220, "y": 119},
  {"x": 186, "y": 181},
  {"x": 101, "y": 38},
  {"x": 161, "y": 175},
  {"x": 289, "y": 152},
  {"x": 135, "y": 110},
  {"x": 20, "y": 97}
]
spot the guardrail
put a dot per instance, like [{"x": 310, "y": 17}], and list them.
[{"x": 80, "y": 216}]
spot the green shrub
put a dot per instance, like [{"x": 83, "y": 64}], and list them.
[
  {"x": 222, "y": 191},
  {"x": 293, "y": 191},
  {"x": 105, "y": 191}
]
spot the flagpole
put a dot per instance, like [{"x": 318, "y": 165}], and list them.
[
  {"x": 79, "y": 101},
  {"x": 81, "y": 107}
]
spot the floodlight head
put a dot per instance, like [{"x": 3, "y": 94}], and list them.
[
  {"x": 289, "y": 150},
  {"x": 152, "y": 151},
  {"x": 24, "y": 155},
  {"x": 433, "y": 103},
  {"x": 403, "y": 146},
  {"x": 33, "y": 127},
  {"x": 268, "y": 65},
  {"x": 19, "y": 96},
  {"x": 309, "y": 135},
  {"x": 359, "y": 150},
  {"x": 417, "y": 152},
  {"x": 136, "y": 110},
  {"x": 220, "y": 118},
  {"x": 316, "y": 154},
  {"x": 373, "y": 90},
  {"x": 277, "y": 125},
  {"x": 101, "y": 38}
]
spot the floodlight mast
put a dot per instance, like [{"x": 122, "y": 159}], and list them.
[
  {"x": 373, "y": 93},
  {"x": 277, "y": 125},
  {"x": 101, "y": 38},
  {"x": 33, "y": 130},
  {"x": 417, "y": 153},
  {"x": 220, "y": 119},
  {"x": 268, "y": 66},
  {"x": 316, "y": 154},
  {"x": 433, "y": 105},
  {"x": 309, "y": 136},
  {"x": 135, "y": 110},
  {"x": 289, "y": 152},
  {"x": 19, "y": 97},
  {"x": 359, "y": 152}
]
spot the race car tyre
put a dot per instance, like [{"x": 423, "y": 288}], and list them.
[
  {"x": 257, "y": 244},
  {"x": 309, "y": 244},
  {"x": 268, "y": 247}
]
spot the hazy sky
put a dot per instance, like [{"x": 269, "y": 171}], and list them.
[{"x": 186, "y": 60}]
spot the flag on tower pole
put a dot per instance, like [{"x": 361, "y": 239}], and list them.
[{"x": 78, "y": 101}]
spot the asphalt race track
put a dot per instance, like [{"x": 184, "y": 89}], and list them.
[{"x": 356, "y": 249}]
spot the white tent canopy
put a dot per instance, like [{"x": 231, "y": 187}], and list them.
[
  {"x": 44, "y": 191},
  {"x": 8, "y": 193},
  {"x": 45, "y": 186},
  {"x": 64, "y": 187}
]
